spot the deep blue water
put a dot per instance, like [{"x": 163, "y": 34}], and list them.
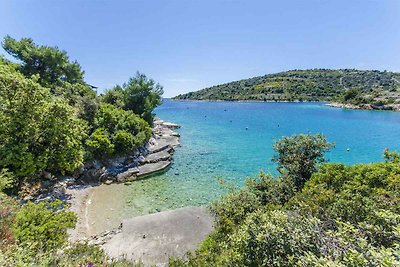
[{"x": 233, "y": 140}]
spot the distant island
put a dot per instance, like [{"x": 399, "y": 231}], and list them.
[{"x": 348, "y": 88}]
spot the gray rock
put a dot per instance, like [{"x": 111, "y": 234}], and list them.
[
  {"x": 155, "y": 237},
  {"x": 128, "y": 175},
  {"x": 152, "y": 168}
]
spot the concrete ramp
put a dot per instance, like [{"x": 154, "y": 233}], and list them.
[{"x": 155, "y": 237}]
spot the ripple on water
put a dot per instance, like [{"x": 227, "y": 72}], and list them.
[{"x": 215, "y": 144}]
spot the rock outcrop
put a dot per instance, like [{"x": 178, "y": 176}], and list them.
[
  {"x": 390, "y": 107},
  {"x": 152, "y": 158}
]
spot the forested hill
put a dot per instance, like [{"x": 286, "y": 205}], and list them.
[{"x": 343, "y": 85}]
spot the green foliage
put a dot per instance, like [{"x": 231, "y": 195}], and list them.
[
  {"x": 115, "y": 97},
  {"x": 352, "y": 193},
  {"x": 38, "y": 238},
  {"x": 117, "y": 130},
  {"x": 123, "y": 141},
  {"x": 51, "y": 64},
  {"x": 8, "y": 208},
  {"x": 343, "y": 85},
  {"x": 49, "y": 115},
  {"x": 82, "y": 254},
  {"x": 342, "y": 216},
  {"x": 49, "y": 119},
  {"x": 298, "y": 156},
  {"x": 62, "y": 135},
  {"x": 391, "y": 156},
  {"x": 99, "y": 144},
  {"x": 276, "y": 238},
  {"x": 42, "y": 227},
  {"x": 350, "y": 94},
  {"x": 7, "y": 180},
  {"x": 139, "y": 95},
  {"x": 37, "y": 132}
]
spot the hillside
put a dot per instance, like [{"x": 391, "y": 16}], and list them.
[{"x": 350, "y": 86}]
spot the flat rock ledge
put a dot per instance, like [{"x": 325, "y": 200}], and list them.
[
  {"x": 158, "y": 154},
  {"x": 150, "y": 159},
  {"x": 389, "y": 107},
  {"x": 153, "y": 238}
]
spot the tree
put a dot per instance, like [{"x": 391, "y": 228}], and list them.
[
  {"x": 61, "y": 137},
  {"x": 350, "y": 94},
  {"x": 139, "y": 95},
  {"x": 51, "y": 64},
  {"x": 37, "y": 133},
  {"x": 299, "y": 156}
]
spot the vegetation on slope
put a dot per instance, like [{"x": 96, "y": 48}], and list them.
[
  {"x": 337, "y": 216},
  {"x": 52, "y": 121},
  {"x": 343, "y": 85}
]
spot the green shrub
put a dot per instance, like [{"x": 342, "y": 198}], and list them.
[
  {"x": 37, "y": 132},
  {"x": 7, "y": 180},
  {"x": 342, "y": 216},
  {"x": 117, "y": 131},
  {"x": 99, "y": 144},
  {"x": 139, "y": 95},
  {"x": 123, "y": 141},
  {"x": 299, "y": 156},
  {"x": 276, "y": 238},
  {"x": 42, "y": 227}
]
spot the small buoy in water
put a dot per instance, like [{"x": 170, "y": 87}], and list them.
[
  {"x": 230, "y": 121},
  {"x": 247, "y": 128},
  {"x": 348, "y": 149},
  {"x": 224, "y": 109}
]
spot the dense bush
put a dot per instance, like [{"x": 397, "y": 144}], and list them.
[
  {"x": 342, "y": 216},
  {"x": 116, "y": 131},
  {"x": 37, "y": 132},
  {"x": 99, "y": 144},
  {"x": 49, "y": 120},
  {"x": 139, "y": 95},
  {"x": 299, "y": 156},
  {"x": 35, "y": 235},
  {"x": 42, "y": 227}
]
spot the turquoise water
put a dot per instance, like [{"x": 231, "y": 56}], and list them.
[{"x": 215, "y": 144}]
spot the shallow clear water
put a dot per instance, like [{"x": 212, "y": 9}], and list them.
[{"x": 232, "y": 140}]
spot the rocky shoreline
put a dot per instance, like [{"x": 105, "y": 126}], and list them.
[
  {"x": 154, "y": 157},
  {"x": 388, "y": 107}
]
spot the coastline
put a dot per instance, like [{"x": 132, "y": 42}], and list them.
[
  {"x": 249, "y": 100},
  {"x": 155, "y": 157},
  {"x": 387, "y": 107},
  {"x": 392, "y": 107},
  {"x": 148, "y": 239}
]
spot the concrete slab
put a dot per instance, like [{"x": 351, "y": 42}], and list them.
[{"x": 155, "y": 237}]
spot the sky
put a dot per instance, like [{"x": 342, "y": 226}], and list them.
[{"x": 187, "y": 45}]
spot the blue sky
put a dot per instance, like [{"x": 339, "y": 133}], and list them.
[{"x": 188, "y": 45}]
